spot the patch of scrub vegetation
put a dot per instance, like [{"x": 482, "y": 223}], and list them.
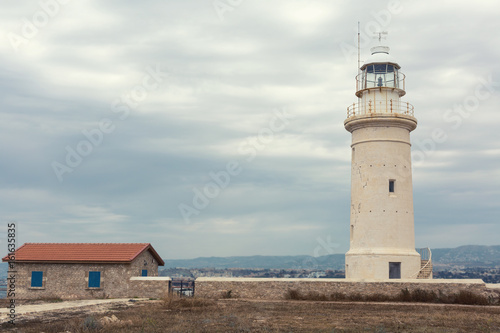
[{"x": 413, "y": 296}]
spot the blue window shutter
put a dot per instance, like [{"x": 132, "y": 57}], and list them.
[
  {"x": 144, "y": 272},
  {"x": 94, "y": 279},
  {"x": 37, "y": 279}
]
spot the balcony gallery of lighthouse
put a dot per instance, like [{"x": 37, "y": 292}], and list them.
[{"x": 382, "y": 237}]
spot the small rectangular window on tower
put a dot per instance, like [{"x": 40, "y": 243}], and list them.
[{"x": 391, "y": 185}]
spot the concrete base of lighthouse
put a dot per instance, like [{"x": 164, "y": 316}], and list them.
[{"x": 379, "y": 264}]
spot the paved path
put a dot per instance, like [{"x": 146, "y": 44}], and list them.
[{"x": 33, "y": 309}]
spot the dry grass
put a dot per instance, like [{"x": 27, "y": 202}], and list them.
[
  {"x": 236, "y": 315},
  {"x": 413, "y": 296},
  {"x": 174, "y": 302}
]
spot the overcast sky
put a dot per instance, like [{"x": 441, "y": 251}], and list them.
[{"x": 215, "y": 128}]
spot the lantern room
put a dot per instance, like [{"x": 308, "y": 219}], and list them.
[{"x": 380, "y": 71}]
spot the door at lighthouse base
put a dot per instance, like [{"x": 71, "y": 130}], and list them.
[{"x": 394, "y": 270}]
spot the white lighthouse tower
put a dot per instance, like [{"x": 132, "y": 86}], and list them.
[{"x": 382, "y": 240}]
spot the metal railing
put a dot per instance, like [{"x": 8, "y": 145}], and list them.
[
  {"x": 425, "y": 255},
  {"x": 385, "y": 107},
  {"x": 183, "y": 287}
]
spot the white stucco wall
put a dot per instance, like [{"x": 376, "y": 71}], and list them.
[{"x": 381, "y": 223}]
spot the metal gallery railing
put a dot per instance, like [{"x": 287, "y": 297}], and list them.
[{"x": 382, "y": 106}]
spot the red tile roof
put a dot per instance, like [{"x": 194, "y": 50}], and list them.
[{"x": 83, "y": 252}]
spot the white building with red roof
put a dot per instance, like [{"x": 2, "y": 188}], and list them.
[{"x": 86, "y": 270}]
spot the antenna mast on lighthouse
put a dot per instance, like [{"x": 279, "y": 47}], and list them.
[{"x": 359, "y": 62}]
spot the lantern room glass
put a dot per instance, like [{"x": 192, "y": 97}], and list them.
[{"x": 380, "y": 75}]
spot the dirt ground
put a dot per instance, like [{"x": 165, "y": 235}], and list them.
[{"x": 236, "y": 315}]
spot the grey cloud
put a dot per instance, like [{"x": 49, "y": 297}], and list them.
[{"x": 225, "y": 81}]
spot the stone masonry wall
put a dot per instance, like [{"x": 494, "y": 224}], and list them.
[
  {"x": 151, "y": 287},
  {"x": 274, "y": 289},
  {"x": 144, "y": 261},
  {"x": 70, "y": 281}
]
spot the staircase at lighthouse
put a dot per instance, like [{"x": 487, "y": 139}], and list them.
[
  {"x": 425, "y": 271},
  {"x": 382, "y": 238}
]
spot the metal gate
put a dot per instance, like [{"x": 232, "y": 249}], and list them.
[{"x": 183, "y": 287}]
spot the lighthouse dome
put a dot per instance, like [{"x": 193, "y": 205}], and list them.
[{"x": 380, "y": 55}]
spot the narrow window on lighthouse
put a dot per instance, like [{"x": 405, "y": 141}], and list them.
[{"x": 391, "y": 185}]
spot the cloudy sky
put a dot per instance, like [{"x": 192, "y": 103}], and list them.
[{"x": 215, "y": 128}]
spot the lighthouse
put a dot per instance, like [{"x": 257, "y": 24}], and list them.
[{"x": 382, "y": 237}]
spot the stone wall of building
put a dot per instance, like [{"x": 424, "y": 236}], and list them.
[
  {"x": 70, "y": 281},
  {"x": 274, "y": 289},
  {"x": 144, "y": 261},
  {"x": 151, "y": 287}
]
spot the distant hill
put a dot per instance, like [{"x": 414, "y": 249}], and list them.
[
  {"x": 467, "y": 256},
  {"x": 332, "y": 261}
]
